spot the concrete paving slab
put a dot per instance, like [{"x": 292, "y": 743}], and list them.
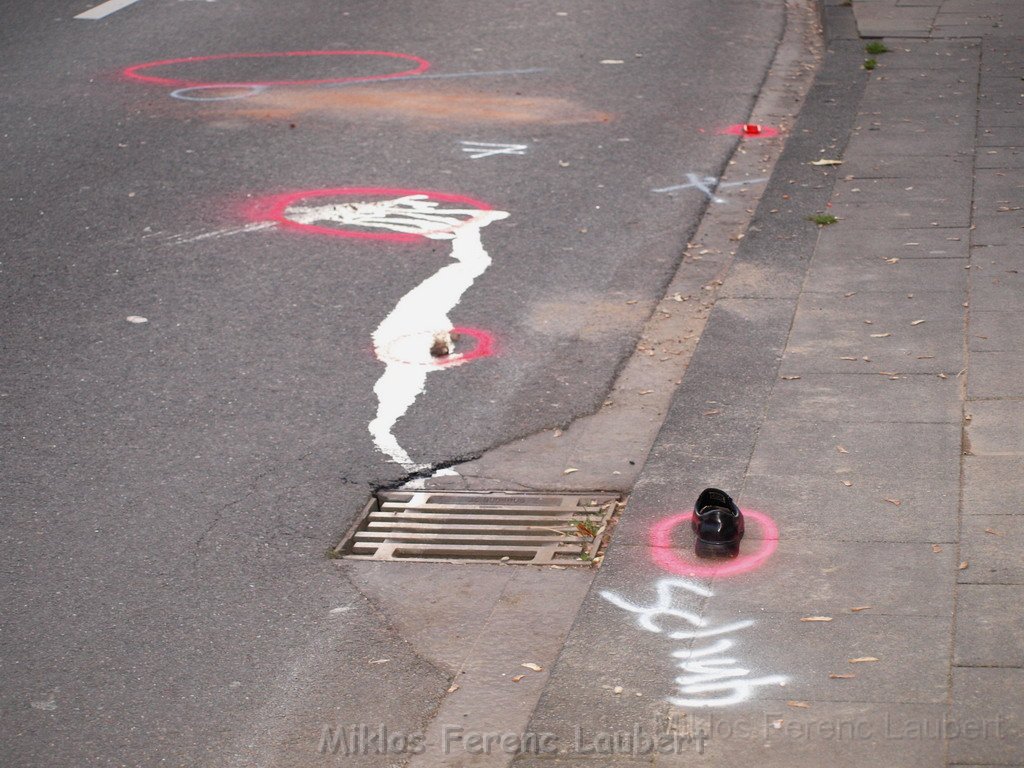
[
  {"x": 820, "y": 507},
  {"x": 1003, "y": 227},
  {"x": 994, "y": 374},
  {"x": 828, "y": 330},
  {"x": 930, "y": 242},
  {"x": 844, "y": 735},
  {"x": 989, "y": 626},
  {"x": 827, "y": 576},
  {"x": 1000, "y": 117},
  {"x": 865, "y": 398},
  {"x": 927, "y": 54},
  {"x": 900, "y": 213},
  {"x": 915, "y": 140},
  {"x": 996, "y": 190},
  {"x": 892, "y": 461},
  {"x": 996, "y": 428},
  {"x": 955, "y": 185},
  {"x": 1002, "y": 136},
  {"x": 1001, "y": 158},
  {"x": 993, "y": 547},
  {"x": 837, "y": 274},
  {"x": 809, "y": 652},
  {"x": 997, "y": 279},
  {"x": 988, "y": 703},
  {"x": 986, "y": 490},
  {"x": 996, "y": 332},
  {"x": 955, "y": 167}
]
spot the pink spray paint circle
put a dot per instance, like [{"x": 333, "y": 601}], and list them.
[
  {"x": 750, "y": 131},
  {"x": 665, "y": 553},
  {"x": 138, "y": 71},
  {"x": 275, "y": 208},
  {"x": 393, "y": 353}
]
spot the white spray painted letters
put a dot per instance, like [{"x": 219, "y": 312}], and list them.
[
  {"x": 710, "y": 679},
  {"x": 403, "y": 339}
]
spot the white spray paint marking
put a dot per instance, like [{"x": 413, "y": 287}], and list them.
[
  {"x": 403, "y": 339},
  {"x": 480, "y": 149},
  {"x": 708, "y": 185},
  {"x": 254, "y": 227},
  {"x": 103, "y": 10},
  {"x": 706, "y": 672}
]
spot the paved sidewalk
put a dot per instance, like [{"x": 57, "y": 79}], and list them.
[{"x": 859, "y": 386}]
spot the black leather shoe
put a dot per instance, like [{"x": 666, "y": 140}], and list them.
[{"x": 718, "y": 523}]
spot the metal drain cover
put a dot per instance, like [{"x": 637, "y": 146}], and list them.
[{"x": 446, "y": 526}]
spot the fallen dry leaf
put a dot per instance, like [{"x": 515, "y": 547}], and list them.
[
  {"x": 646, "y": 391},
  {"x": 531, "y": 665},
  {"x": 847, "y": 358},
  {"x": 712, "y": 412},
  {"x": 936, "y": 548},
  {"x": 841, "y": 449},
  {"x": 962, "y": 566},
  {"x": 943, "y": 376},
  {"x": 816, "y": 618},
  {"x": 993, "y": 532},
  {"x": 894, "y": 502},
  {"x": 453, "y": 688},
  {"x": 848, "y": 295},
  {"x": 880, "y": 335},
  {"x": 517, "y": 678},
  {"x": 826, "y": 161},
  {"x": 841, "y": 677},
  {"x": 862, "y": 659},
  {"x": 859, "y": 608},
  {"x": 569, "y": 471},
  {"x": 617, "y": 690},
  {"x": 916, "y": 322},
  {"x": 380, "y": 661},
  {"x": 847, "y": 483},
  {"x": 798, "y": 704},
  {"x": 790, "y": 378}
]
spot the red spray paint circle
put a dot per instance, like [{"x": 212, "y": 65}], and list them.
[
  {"x": 135, "y": 71},
  {"x": 483, "y": 347},
  {"x": 747, "y": 131},
  {"x": 665, "y": 553},
  {"x": 274, "y": 208}
]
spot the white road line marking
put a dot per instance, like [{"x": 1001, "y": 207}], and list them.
[{"x": 105, "y": 9}]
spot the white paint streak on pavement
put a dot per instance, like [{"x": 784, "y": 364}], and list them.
[
  {"x": 403, "y": 339},
  {"x": 103, "y": 10}
]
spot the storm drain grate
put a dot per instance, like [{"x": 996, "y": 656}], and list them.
[{"x": 446, "y": 526}]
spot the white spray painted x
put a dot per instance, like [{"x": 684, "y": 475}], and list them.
[
  {"x": 403, "y": 339},
  {"x": 706, "y": 672}
]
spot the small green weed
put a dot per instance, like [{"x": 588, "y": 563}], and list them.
[
  {"x": 823, "y": 219},
  {"x": 876, "y": 47},
  {"x": 870, "y": 64}
]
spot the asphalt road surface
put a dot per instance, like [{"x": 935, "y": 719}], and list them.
[{"x": 170, "y": 487}]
